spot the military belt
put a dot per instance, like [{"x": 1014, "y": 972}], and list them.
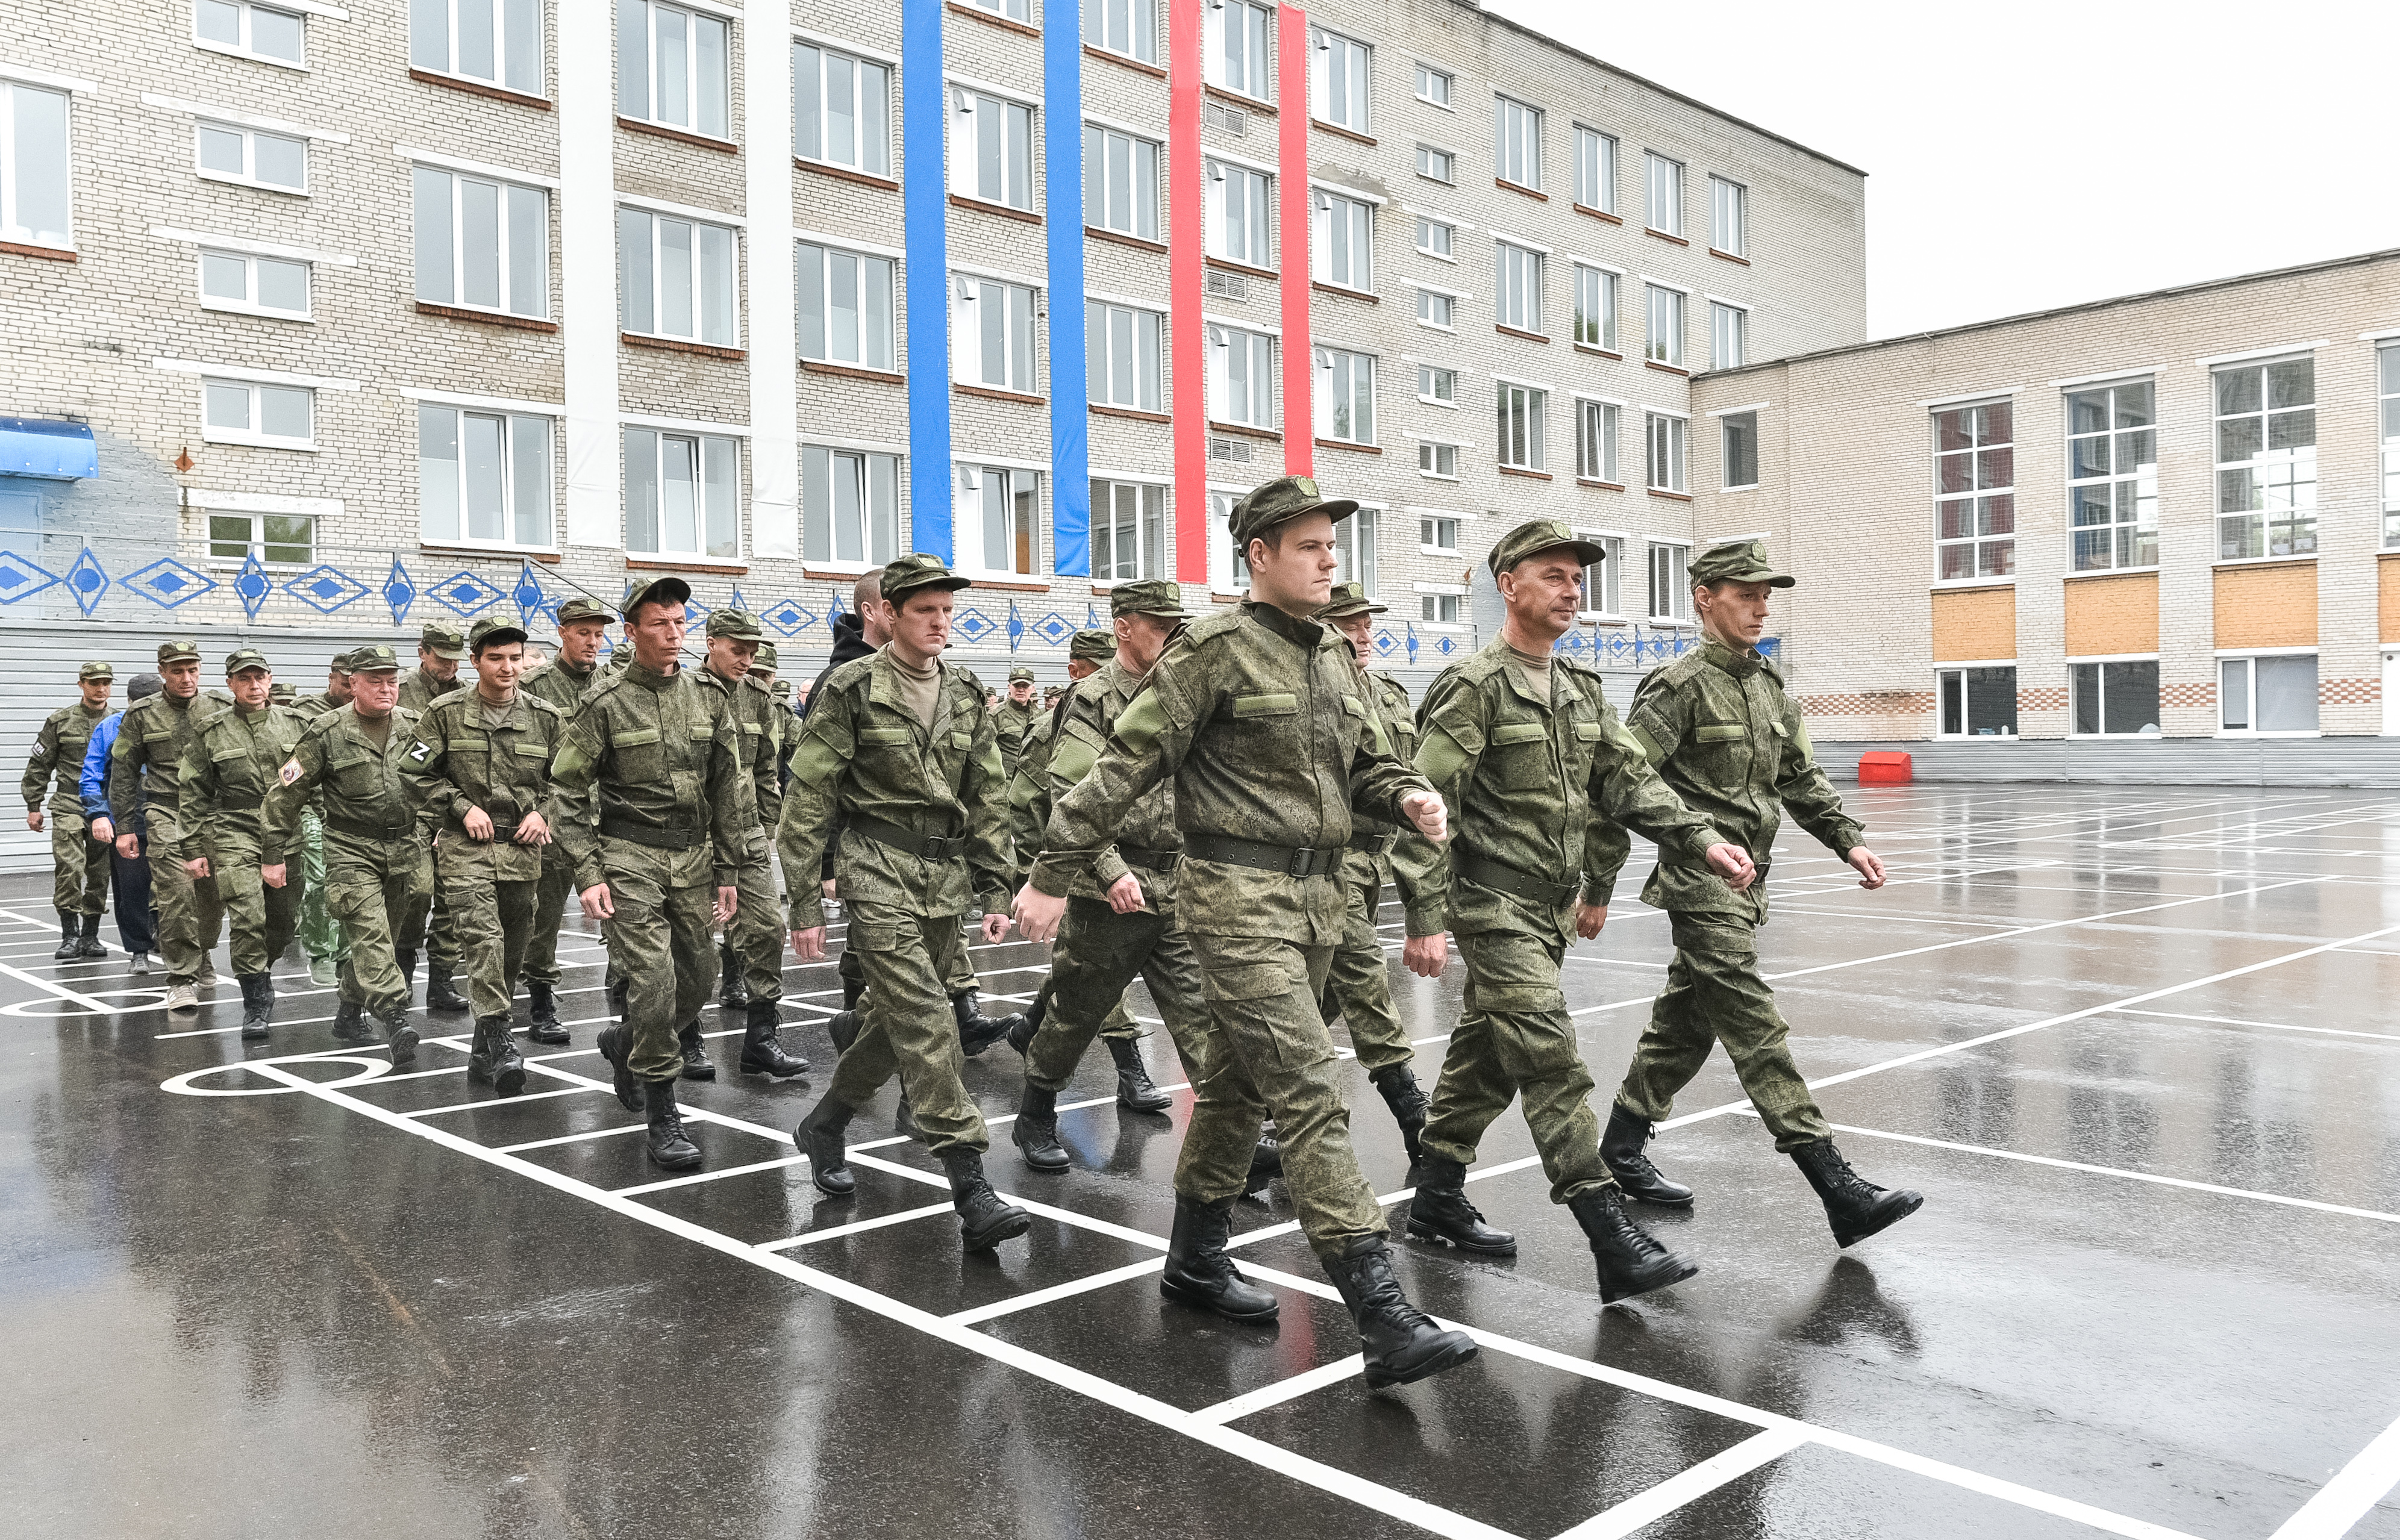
[
  {"x": 1228, "y": 850},
  {"x": 1485, "y": 872},
  {"x": 1373, "y": 844},
  {"x": 361, "y": 828},
  {"x": 927, "y": 847},
  {"x": 1156, "y": 860},
  {"x": 652, "y": 835}
]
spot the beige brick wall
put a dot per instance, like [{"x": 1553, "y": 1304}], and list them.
[
  {"x": 1974, "y": 625},
  {"x": 2112, "y": 615}
]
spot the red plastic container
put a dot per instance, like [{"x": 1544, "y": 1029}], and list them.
[{"x": 1886, "y": 768}]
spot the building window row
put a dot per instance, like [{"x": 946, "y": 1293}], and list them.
[{"x": 2259, "y": 695}]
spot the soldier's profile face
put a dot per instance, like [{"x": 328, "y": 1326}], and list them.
[
  {"x": 1736, "y": 612},
  {"x": 579, "y": 642},
  {"x": 1359, "y": 628},
  {"x": 250, "y": 688},
  {"x": 373, "y": 695},
  {"x": 181, "y": 679},
  {"x": 339, "y": 687},
  {"x": 95, "y": 691},
  {"x": 1295, "y": 573},
  {"x": 1140, "y": 640},
  {"x": 499, "y": 667}
]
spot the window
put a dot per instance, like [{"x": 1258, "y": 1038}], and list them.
[
  {"x": 1434, "y": 238},
  {"x": 1728, "y": 335},
  {"x": 1235, "y": 47},
  {"x": 1978, "y": 702},
  {"x": 1728, "y": 216},
  {"x": 1129, "y": 27},
  {"x": 496, "y": 41},
  {"x": 483, "y": 477},
  {"x": 2114, "y": 699},
  {"x": 1596, "y": 441},
  {"x": 1439, "y": 459},
  {"x": 992, "y": 334},
  {"x": 1665, "y": 208},
  {"x": 845, "y": 306},
  {"x": 1666, "y": 339},
  {"x": 1345, "y": 247},
  {"x": 1235, "y": 222},
  {"x": 1738, "y": 432},
  {"x": 674, "y": 279},
  {"x": 1434, "y": 308},
  {"x": 237, "y": 26},
  {"x": 274, "y": 417},
  {"x": 261, "y": 285},
  {"x": 1229, "y": 564},
  {"x": 1015, "y": 10},
  {"x": 1439, "y": 610},
  {"x": 482, "y": 245},
  {"x": 1516, "y": 287},
  {"x": 1353, "y": 550},
  {"x": 1120, "y": 183},
  {"x": 1603, "y": 582},
  {"x": 1516, "y": 142},
  {"x": 1595, "y": 308},
  {"x": 1521, "y": 408},
  {"x": 1337, "y": 81},
  {"x": 1241, "y": 376},
  {"x": 262, "y": 159},
  {"x": 991, "y": 149},
  {"x": 2266, "y": 695},
  {"x": 1438, "y": 535},
  {"x": 1670, "y": 584},
  {"x": 1005, "y": 505},
  {"x": 1974, "y": 497},
  {"x": 1128, "y": 531},
  {"x": 1433, "y": 84},
  {"x": 683, "y": 495},
  {"x": 1595, "y": 170},
  {"x": 850, "y": 506},
  {"x": 2267, "y": 459},
  {"x": 1669, "y": 450},
  {"x": 33, "y": 199},
  {"x": 1437, "y": 165},
  {"x": 2387, "y": 364},
  {"x": 1345, "y": 396},
  {"x": 278, "y": 539},
  {"x": 671, "y": 66},
  {"x": 841, "y": 110},
  {"x": 1436, "y": 386},
  {"x": 1122, "y": 351},
  {"x": 2113, "y": 477}
]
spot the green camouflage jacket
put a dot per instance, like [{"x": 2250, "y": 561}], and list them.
[
  {"x": 1013, "y": 725},
  {"x": 560, "y": 683},
  {"x": 653, "y": 761},
  {"x": 1029, "y": 792},
  {"x": 1088, "y": 717},
  {"x": 366, "y": 793},
  {"x": 58, "y": 751},
  {"x": 153, "y": 737},
  {"x": 752, "y": 706},
  {"x": 420, "y": 690},
  {"x": 226, "y": 772},
  {"x": 470, "y": 755}
]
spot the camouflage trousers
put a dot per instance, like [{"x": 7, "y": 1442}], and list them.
[
  {"x": 755, "y": 932},
  {"x": 550, "y": 897},
  {"x": 321, "y": 935},
  {"x": 1358, "y": 985},
  {"x": 496, "y": 921},
  {"x": 190, "y": 913},
  {"x": 1516, "y": 1039},
  {"x": 1267, "y": 1050},
  {"x": 662, "y": 943},
  {"x": 263, "y": 920},
  {"x": 78, "y": 864},
  {"x": 1099, "y": 952},
  {"x": 907, "y": 1027},
  {"x": 958, "y": 978},
  {"x": 1714, "y": 995},
  {"x": 376, "y": 888}
]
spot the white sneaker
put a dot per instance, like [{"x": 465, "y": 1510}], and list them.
[
  {"x": 183, "y": 997},
  {"x": 138, "y": 964}
]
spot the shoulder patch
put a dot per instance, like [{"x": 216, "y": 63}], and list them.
[
  {"x": 418, "y": 752},
  {"x": 290, "y": 773}
]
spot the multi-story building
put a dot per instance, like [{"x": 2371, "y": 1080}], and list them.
[{"x": 2151, "y": 538}]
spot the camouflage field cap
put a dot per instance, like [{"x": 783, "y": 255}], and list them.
[
  {"x": 1739, "y": 562},
  {"x": 1020, "y": 674},
  {"x": 494, "y": 631},
  {"x": 1271, "y": 503},
  {"x": 1150, "y": 596},
  {"x": 181, "y": 650},
  {"x": 584, "y": 607},
  {"x": 374, "y": 658},
  {"x": 763, "y": 661},
  {"x": 669, "y": 589},
  {"x": 341, "y": 664},
  {"x": 738, "y": 625},
  {"x": 1349, "y": 600},
  {"x": 916, "y": 572},
  {"x": 95, "y": 670},
  {"x": 243, "y": 658},
  {"x": 1534, "y": 536},
  {"x": 441, "y": 639},
  {"x": 1093, "y": 647},
  {"x": 782, "y": 686},
  {"x": 283, "y": 695}
]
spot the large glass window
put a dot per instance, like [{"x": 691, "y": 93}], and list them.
[
  {"x": 1129, "y": 27},
  {"x": 1670, "y": 453},
  {"x": 992, "y": 334},
  {"x": 1728, "y": 336},
  {"x": 2387, "y": 365},
  {"x": 1235, "y": 222},
  {"x": 239, "y": 26},
  {"x": 1665, "y": 342},
  {"x": 1516, "y": 142},
  {"x": 2267, "y": 459},
  {"x": 2115, "y": 700},
  {"x": 1520, "y": 421},
  {"x": 2267, "y": 694},
  {"x": 1345, "y": 396},
  {"x": 1670, "y": 581},
  {"x": 1728, "y": 216},
  {"x": 482, "y": 245},
  {"x": 1120, "y": 182},
  {"x": 1595, "y": 308},
  {"x": 1975, "y": 491},
  {"x": 1229, "y": 564},
  {"x": 1664, "y": 206},
  {"x": 224, "y": 153},
  {"x": 483, "y": 477},
  {"x": 1337, "y": 80},
  {"x": 1603, "y": 582},
  {"x": 1345, "y": 247},
  {"x": 849, "y": 505},
  {"x": 2112, "y": 476},
  {"x": 1595, "y": 170},
  {"x": 1353, "y": 550},
  {"x": 272, "y": 417},
  {"x": 841, "y": 110},
  {"x": 1517, "y": 286},
  {"x": 1235, "y": 47},
  {"x": 1241, "y": 376},
  {"x": 1738, "y": 432},
  {"x": 1000, "y": 514},
  {"x": 992, "y": 148},
  {"x": 683, "y": 494},
  {"x": 1122, "y": 353},
  {"x": 1978, "y": 702},
  {"x": 34, "y": 201},
  {"x": 232, "y": 281},
  {"x": 1128, "y": 531},
  {"x": 1596, "y": 441},
  {"x": 278, "y": 539},
  {"x": 674, "y": 279},
  {"x": 496, "y": 41},
  {"x": 845, "y": 306},
  {"x": 672, "y": 66}
]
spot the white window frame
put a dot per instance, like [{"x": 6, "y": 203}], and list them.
[
  {"x": 1145, "y": 159},
  {"x": 976, "y": 112},
  {"x": 1355, "y": 539},
  {"x": 2136, "y": 485},
  {"x": 2302, "y": 489},
  {"x": 1517, "y": 281},
  {"x": 1595, "y": 161},
  {"x": 1020, "y": 332},
  {"x": 253, "y": 542},
  {"x": 1596, "y": 292},
  {"x": 1520, "y": 419},
  {"x": 1229, "y": 568},
  {"x": 1141, "y": 23},
  {"x": 11, "y": 228},
  {"x": 1222, "y": 337},
  {"x": 1343, "y": 253},
  {"x": 1357, "y": 368},
  {"x": 972, "y": 483},
  {"x": 1726, "y": 430},
  {"x": 2387, "y": 365},
  {"x": 511, "y": 423},
  {"x": 2246, "y": 662},
  {"x": 1516, "y": 142},
  {"x": 1426, "y": 238},
  {"x": 253, "y": 434},
  {"x": 246, "y": 48},
  {"x": 506, "y": 60},
  {"x": 1436, "y": 164},
  {"x": 865, "y": 71},
  {"x": 1429, "y": 377},
  {"x": 1441, "y": 606},
  {"x": 1257, "y": 193},
  {"x": 249, "y": 305},
  {"x": 1728, "y": 216},
  {"x": 1662, "y": 191},
  {"x": 1430, "y": 453},
  {"x": 697, "y": 101},
  {"x": 1430, "y": 529},
  {"x": 1974, "y": 492},
  {"x": 1355, "y": 75},
  {"x": 1449, "y": 88},
  {"x": 1015, "y": 10},
  {"x": 1669, "y": 580},
  {"x": 1437, "y": 310},
  {"x": 707, "y": 449},
  {"x": 1942, "y": 677},
  {"x": 1728, "y": 335},
  {"x": 1667, "y": 449},
  {"x": 884, "y": 326},
  {"x": 653, "y": 224},
  {"x": 1662, "y": 340},
  {"x": 870, "y": 475},
  {"x": 1603, "y": 582},
  {"x": 2103, "y": 664},
  {"x": 1154, "y": 551},
  {"x": 1144, "y": 333},
  {"x": 247, "y": 176},
  {"x": 503, "y": 254},
  {"x": 1600, "y": 426},
  {"x": 1258, "y": 75}
]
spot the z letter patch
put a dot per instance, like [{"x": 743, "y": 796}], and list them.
[
  {"x": 290, "y": 773},
  {"x": 419, "y": 753}
]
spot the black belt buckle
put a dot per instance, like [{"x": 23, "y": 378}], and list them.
[
  {"x": 1306, "y": 863},
  {"x": 940, "y": 847}
]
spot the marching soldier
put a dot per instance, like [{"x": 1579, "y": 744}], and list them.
[
  {"x": 231, "y": 765},
  {"x": 143, "y": 773},
  {"x": 377, "y": 870},
  {"x": 655, "y": 808},
  {"x": 321, "y": 935},
  {"x": 1724, "y": 735},
  {"x": 752, "y": 955},
  {"x": 582, "y": 626},
  {"x": 1257, "y": 717},
  {"x": 787, "y": 731},
  {"x": 1015, "y": 717},
  {"x": 440, "y": 649},
  {"x": 78, "y": 864}
]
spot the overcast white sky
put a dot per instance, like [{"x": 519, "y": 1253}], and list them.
[{"x": 2039, "y": 153}]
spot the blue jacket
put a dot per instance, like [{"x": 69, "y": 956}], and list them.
[{"x": 94, "y": 780}]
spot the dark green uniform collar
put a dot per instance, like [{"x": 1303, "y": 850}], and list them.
[
  {"x": 1741, "y": 665},
  {"x": 1300, "y": 633},
  {"x": 636, "y": 674}
]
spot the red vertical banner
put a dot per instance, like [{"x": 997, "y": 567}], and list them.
[
  {"x": 1187, "y": 188},
  {"x": 1292, "y": 60}
]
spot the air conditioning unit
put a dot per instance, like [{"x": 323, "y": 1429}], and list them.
[
  {"x": 1233, "y": 120},
  {"x": 1228, "y": 285},
  {"x": 1236, "y": 451}
]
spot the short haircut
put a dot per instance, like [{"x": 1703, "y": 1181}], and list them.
[{"x": 867, "y": 590}]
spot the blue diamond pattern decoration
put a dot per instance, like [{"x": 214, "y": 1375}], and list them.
[
  {"x": 789, "y": 618},
  {"x": 1015, "y": 627},
  {"x": 695, "y": 614},
  {"x": 168, "y": 583},
  {"x": 973, "y": 624},
  {"x": 1412, "y": 644},
  {"x": 1055, "y": 629},
  {"x": 87, "y": 579},
  {"x": 738, "y": 602},
  {"x": 1445, "y": 647},
  {"x": 325, "y": 589},
  {"x": 531, "y": 598},
  {"x": 1384, "y": 643},
  {"x": 252, "y": 586},
  {"x": 20, "y": 578},
  {"x": 466, "y": 595},
  {"x": 399, "y": 593}
]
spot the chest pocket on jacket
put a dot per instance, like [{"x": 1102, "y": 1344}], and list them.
[
  {"x": 641, "y": 755},
  {"x": 355, "y": 774},
  {"x": 1582, "y": 744},
  {"x": 1269, "y": 735},
  {"x": 1524, "y": 750},
  {"x": 1723, "y": 750}
]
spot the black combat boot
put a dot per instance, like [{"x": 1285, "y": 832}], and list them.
[
  {"x": 1621, "y": 1148},
  {"x": 1266, "y": 1165},
  {"x": 1135, "y": 1092},
  {"x": 1399, "y": 1085},
  {"x": 495, "y": 1058},
  {"x": 977, "y": 1031},
  {"x": 350, "y": 1023},
  {"x": 819, "y": 1137},
  {"x": 1401, "y": 1342},
  {"x": 439, "y": 995},
  {"x": 257, "y": 1006},
  {"x": 1631, "y": 1262},
  {"x": 670, "y": 1146},
  {"x": 762, "y": 1050},
  {"x": 733, "y": 989},
  {"x": 543, "y": 1027},
  {"x": 616, "y": 1045},
  {"x": 70, "y": 938},
  {"x": 1198, "y": 1272},
  {"x": 1440, "y": 1212},
  {"x": 1020, "y": 1037},
  {"x": 89, "y": 944},
  {"x": 398, "y": 1034},
  {"x": 696, "y": 1065},
  {"x": 1036, "y": 1130},
  {"x": 1854, "y": 1206},
  {"x": 843, "y": 1027},
  {"x": 985, "y": 1218}
]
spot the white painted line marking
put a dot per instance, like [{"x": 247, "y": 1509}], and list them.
[
  {"x": 1011, "y": 1305},
  {"x": 502, "y": 1101},
  {"x": 571, "y": 1139},
  {"x": 2278, "y": 1026},
  {"x": 858, "y": 1227},
  {"x": 2343, "y": 1501},
  {"x": 1647, "y": 1508},
  {"x": 1284, "y": 1390},
  {"x": 708, "y": 1175}
]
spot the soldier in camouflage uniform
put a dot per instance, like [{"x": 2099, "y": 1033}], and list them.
[
  {"x": 582, "y": 626},
  {"x": 1257, "y": 716},
  {"x": 440, "y": 649},
  {"x": 226, "y": 772},
  {"x": 750, "y": 958},
  {"x": 1015, "y": 717},
  {"x": 78, "y": 863},
  {"x": 787, "y": 720},
  {"x": 320, "y": 934},
  {"x": 1525, "y": 744},
  {"x": 655, "y": 806},
  {"x": 153, "y": 738},
  {"x": 1721, "y": 730},
  {"x": 898, "y": 745},
  {"x": 377, "y": 870}
]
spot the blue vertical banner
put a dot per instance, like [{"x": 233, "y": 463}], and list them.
[
  {"x": 924, "y": 107},
  {"x": 1070, "y": 456}
]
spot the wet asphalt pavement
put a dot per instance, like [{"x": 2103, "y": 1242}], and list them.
[{"x": 2137, "y": 1046}]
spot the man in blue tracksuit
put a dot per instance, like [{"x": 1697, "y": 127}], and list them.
[{"x": 136, "y": 924}]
